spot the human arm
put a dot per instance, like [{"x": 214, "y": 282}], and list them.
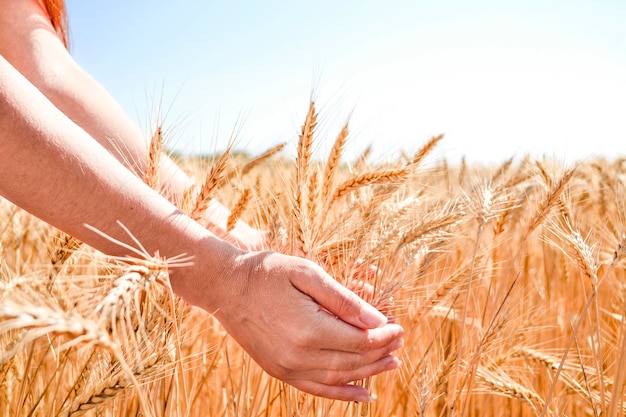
[
  {"x": 30, "y": 44},
  {"x": 268, "y": 302}
]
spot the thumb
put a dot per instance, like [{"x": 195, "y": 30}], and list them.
[{"x": 339, "y": 300}]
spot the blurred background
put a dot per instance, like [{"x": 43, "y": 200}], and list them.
[{"x": 500, "y": 79}]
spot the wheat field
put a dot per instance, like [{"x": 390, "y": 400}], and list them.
[{"x": 508, "y": 280}]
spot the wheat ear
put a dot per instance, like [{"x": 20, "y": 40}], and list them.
[
  {"x": 543, "y": 173},
  {"x": 456, "y": 281},
  {"x": 113, "y": 386},
  {"x": 238, "y": 210},
  {"x": 68, "y": 245},
  {"x": 303, "y": 160},
  {"x": 553, "y": 195},
  {"x": 369, "y": 178},
  {"x": 251, "y": 164},
  {"x": 426, "y": 228},
  {"x": 312, "y": 201},
  {"x": 209, "y": 186},
  {"x": 503, "y": 384},
  {"x": 425, "y": 150},
  {"x": 462, "y": 172},
  {"x": 151, "y": 175},
  {"x": 501, "y": 171},
  {"x": 333, "y": 162}
]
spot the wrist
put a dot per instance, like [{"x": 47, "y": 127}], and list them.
[
  {"x": 213, "y": 273},
  {"x": 231, "y": 305}
]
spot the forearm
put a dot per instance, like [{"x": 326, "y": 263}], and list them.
[
  {"x": 32, "y": 47},
  {"x": 91, "y": 107},
  {"x": 53, "y": 169}
]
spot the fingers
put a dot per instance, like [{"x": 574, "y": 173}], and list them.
[
  {"x": 339, "y": 384},
  {"x": 334, "y": 377},
  {"x": 367, "y": 293},
  {"x": 337, "y": 299},
  {"x": 348, "y": 361},
  {"x": 341, "y": 336},
  {"x": 334, "y": 392},
  {"x": 336, "y": 360}
]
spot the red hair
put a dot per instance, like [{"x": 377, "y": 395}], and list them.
[{"x": 58, "y": 16}]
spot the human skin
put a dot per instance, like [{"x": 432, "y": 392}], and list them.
[
  {"x": 53, "y": 166},
  {"x": 30, "y": 44}
]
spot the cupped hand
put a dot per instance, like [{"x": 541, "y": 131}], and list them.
[{"x": 304, "y": 328}]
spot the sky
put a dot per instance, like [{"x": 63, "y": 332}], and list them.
[{"x": 499, "y": 79}]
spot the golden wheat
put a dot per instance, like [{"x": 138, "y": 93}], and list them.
[{"x": 507, "y": 279}]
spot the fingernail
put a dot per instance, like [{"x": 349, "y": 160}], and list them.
[
  {"x": 367, "y": 398},
  {"x": 394, "y": 364},
  {"x": 371, "y": 317}
]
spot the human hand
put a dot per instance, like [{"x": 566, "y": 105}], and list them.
[{"x": 306, "y": 329}]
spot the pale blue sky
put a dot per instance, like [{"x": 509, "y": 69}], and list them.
[{"x": 499, "y": 78}]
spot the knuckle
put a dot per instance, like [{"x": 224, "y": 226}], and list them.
[
  {"x": 305, "y": 337},
  {"x": 336, "y": 378},
  {"x": 312, "y": 389},
  {"x": 286, "y": 367},
  {"x": 347, "y": 364},
  {"x": 365, "y": 344},
  {"x": 278, "y": 371}
]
